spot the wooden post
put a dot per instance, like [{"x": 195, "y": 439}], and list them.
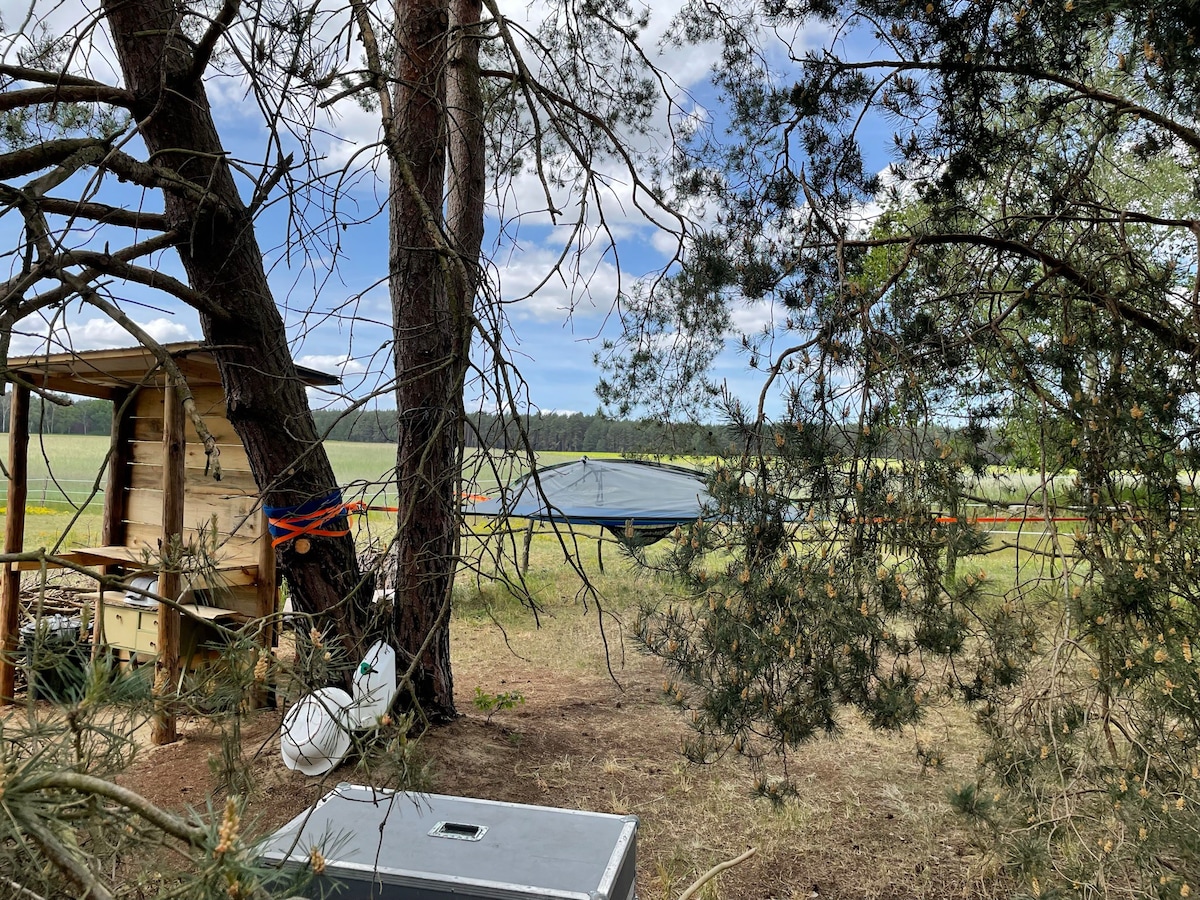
[
  {"x": 166, "y": 667},
  {"x": 600, "y": 550},
  {"x": 112, "y": 525},
  {"x": 268, "y": 608},
  {"x": 112, "y": 520},
  {"x": 14, "y": 539},
  {"x": 528, "y": 543}
]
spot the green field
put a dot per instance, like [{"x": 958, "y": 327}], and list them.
[
  {"x": 67, "y": 464},
  {"x": 66, "y": 478},
  {"x": 563, "y": 671},
  {"x": 64, "y": 481},
  {"x": 63, "y": 466}
]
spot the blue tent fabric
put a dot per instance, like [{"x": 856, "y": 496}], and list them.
[{"x": 609, "y": 492}]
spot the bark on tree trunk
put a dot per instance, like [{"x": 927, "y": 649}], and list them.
[
  {"x": 437, "y": 136},
  {"x": 266, "y": 400},
  {"x": 466, "y": 171}
]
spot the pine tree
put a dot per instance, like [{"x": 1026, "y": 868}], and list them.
[{"x": 1019, "y": 284}]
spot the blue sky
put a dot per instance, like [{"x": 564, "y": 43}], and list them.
[{"x": 338, "y": 315}]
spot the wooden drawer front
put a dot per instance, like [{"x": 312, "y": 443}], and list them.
[
  {"x": 131, "y": 629},
  {"x": 147, "y": 636},
  {"x": 147, "y": 641},
  {"x": 120, "y": 627}
]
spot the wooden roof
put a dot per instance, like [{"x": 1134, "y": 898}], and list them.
[{"x": 105, "y": 373}]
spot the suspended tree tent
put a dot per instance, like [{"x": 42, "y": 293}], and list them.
[{"x": 639, "y": 502}]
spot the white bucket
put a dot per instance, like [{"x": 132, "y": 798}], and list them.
[
  {"x": 315, "y": 738},
  {"x": 374, "y": 686}
]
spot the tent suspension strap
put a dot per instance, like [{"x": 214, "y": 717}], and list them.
[{"x": 318, "y": 517}]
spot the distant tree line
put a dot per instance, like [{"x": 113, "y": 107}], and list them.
[
  {"x": 565, "y": 432},
  {"x": 597, "y": 433},
  {"x": 78, "y": 417},
  {"x": 568, "y": 432}
]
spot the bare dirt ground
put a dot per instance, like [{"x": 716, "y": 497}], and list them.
[{"x": 867, "y": 822}]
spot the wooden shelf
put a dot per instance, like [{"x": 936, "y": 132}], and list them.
[
  {"x": 159, "y": 487},
  {"x": 230, "y": 574},
  {"x": 141, "y": 557}
]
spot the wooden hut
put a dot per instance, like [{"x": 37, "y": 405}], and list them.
[{"x": 160, "y": 493}]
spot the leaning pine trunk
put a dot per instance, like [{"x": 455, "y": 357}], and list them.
[{"x": 266, "y": 400}]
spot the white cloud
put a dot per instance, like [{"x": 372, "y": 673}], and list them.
[
  {"x": 353, "y": 134},
  {"x": 586, "y": 286},
  {"x": 752, "y": 318},
  {"x": 35, "y": 337},
  {"x": 353, "y": 130},
  {"x": 357, "y": 376},
  {"x": 91, "y": 51},
  {"x": 524, "y": 256},
  {"x": 92, "y": 334},
  {"x": 98, "y": 334},
  {"x": 333, "y": 363}
]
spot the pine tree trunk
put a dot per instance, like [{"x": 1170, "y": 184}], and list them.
[
  {"x": 439, "y": 137},
  {"x": 266, "y": 400}
]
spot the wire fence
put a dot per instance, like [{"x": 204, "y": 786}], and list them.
[
  {"x": 58, "y": 493},
  {"x": 62, "y": 494}
]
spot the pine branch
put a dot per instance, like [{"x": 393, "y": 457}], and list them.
[
  {"x": 1122, "y": 105},
  {"x": 143, "y": 174},
  {"x": 193, "y": 835},
  {"x": 101, "y": 263},
  {"x": 103, "y": 214},
  {"x": 108, "y": 264},
  {"x": 174, "y": 376},
  {"x": 1172, "y": 337},
  {"x": 40, "y": 76},
  {"x": 219, "y": 25},
  {"x": 23, "y": 891},
  {"x": 714, "y": 872},
  {"x": 76, "y": 93},
  {"x": 19, "y": 163},
  {"x": 65, "y": 862}
]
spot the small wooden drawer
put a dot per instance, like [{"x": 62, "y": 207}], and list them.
[
  {"x": 120, "y": 627},
  {"x": 146, "y": 641},
  {"x": 128, "y": 627}
]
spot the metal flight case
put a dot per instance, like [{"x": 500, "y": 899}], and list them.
[{"x": 397, "y": 845}]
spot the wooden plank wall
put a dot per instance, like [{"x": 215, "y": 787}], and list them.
[{"x": 231, "y": 503}]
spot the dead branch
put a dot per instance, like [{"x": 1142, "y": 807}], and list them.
[{"x": 714, "y": 872}]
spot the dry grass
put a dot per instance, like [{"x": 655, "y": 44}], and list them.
[{"x": 868, "y": 821}]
